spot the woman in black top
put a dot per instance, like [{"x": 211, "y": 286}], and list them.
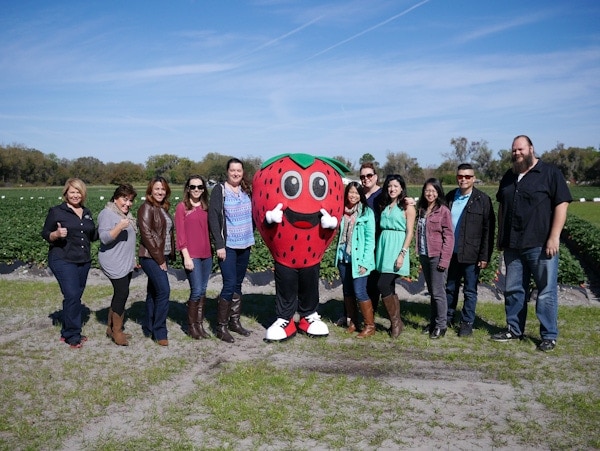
[{"x": 70, "y": 229}]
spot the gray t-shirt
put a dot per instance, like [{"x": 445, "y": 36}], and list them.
[{"x": 116, "y": 257}]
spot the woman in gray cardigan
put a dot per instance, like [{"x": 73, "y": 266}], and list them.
[{"x": 117, "y": 229}]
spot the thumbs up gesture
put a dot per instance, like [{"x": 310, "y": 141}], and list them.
[
  {"x": 61, "y": 232},
  {"x": 275, "y": 215},
  {"x": 328, "y": 221}
]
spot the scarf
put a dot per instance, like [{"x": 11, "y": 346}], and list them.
[
  {"x": 350, "y": 215},
  {"x": 113, "y": 207}
]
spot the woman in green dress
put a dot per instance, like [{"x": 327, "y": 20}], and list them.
[{"x": 397, "y": 221}]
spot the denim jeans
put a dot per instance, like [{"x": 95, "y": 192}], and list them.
[
  {"x": 158, "y": 292},
  {"x": 436, "y": 281},
  {"x": 71, "y": 278},
  {"x": 233, "y": 271},
  {"x": 350, "y": 286},
  {"x": 521, "y": 264},
  {"x": 198, "y": 277},
  {"x": 457, "y": 273}
]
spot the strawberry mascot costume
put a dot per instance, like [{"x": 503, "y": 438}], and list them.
[{"x": 298, "y": 201}]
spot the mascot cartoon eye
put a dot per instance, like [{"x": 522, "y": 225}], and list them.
[
  {"x": 291, "y": 184},
  {"x": 318, "y": 185}
]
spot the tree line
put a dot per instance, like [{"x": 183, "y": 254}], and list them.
[{"x": 20, "y": 165}]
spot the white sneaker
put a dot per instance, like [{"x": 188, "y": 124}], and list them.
[
  {"x": 312, "y": 326},
  {"x": 280, "y": 330}
]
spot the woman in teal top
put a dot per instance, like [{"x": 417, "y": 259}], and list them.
[
  {"x": 397, "y": 223},
  {"x": 355, "y": 257}
]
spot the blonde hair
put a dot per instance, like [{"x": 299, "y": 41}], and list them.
[{"x": 78, "y": 185}]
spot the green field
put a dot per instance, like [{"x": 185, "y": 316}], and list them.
[
  {"x": 588, "y": 211},
  {"x": 23, "y": 211}
]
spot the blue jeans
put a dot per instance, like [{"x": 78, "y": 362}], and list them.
[
  {"x": 436, "y": 281},
  {"x": 350, "y": 286},
  {"x": 71, "y": 278},
  {"x": 198, "y": 277},
  {"x": 233, "y": 271},
  {"x": 158, "y": 292},
  {"x": 457, "y": 273},
  {"x": 521, "y": 264}
]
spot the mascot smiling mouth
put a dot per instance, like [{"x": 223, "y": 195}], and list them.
[{"x": 302, "y": 220}]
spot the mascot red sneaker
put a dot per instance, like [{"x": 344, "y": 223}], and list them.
[{"x": 298, "y": 201}]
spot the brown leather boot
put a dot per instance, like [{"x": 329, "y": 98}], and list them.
[
  {"x": 223, "y": 308},
  {"x": 200, "y": 321},
  {"x": 350, "y": 305},
  {"x": 192, "y": 317},
  {"x": 109, "y": 321},
  {"x": 109, "y": 326},
  {"x": 392, "y": 304},
  {"x": 117, "y": 329},
  {"x": 235, "y": 314},
  {"x": 366, "y": 308}
]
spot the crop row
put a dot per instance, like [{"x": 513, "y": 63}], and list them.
[
  {"x": 22, "y": 218},
  {"x": 584, "y": 238}
]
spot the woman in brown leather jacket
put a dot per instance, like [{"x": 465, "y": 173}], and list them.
[{"x": 157, "y": 246}]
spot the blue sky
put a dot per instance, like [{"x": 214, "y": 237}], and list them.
[{"x": 124, "y": 80}]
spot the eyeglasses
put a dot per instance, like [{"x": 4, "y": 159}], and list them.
[
  {"x": 463, "y": 176},
  {"x": 367, "y": 176},
  {"x": 193, "y": 187},
  {"x": 430, "y": 191}
]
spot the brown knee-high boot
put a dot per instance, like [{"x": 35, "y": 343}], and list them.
[
  {"x": 117, "y": 329},
  {"x": 234, "y": 316},
  {"x": 192, "y": 316},
  {"x": 392, "y": 304},
  {"x": 366, "y": 308},
  {"x": 200, "y": 321},
  {"x": 223, "y": 308},
  {"x": 352, "y": 317},
  {"x": 109, "y": 323}
]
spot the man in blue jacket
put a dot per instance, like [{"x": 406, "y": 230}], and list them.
[{"x": 474, "y": 227}]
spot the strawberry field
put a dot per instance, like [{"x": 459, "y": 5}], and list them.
[{"x": 23, "y": 211}]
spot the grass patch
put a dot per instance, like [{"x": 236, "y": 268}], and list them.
[{"x": 334, "y": 393}]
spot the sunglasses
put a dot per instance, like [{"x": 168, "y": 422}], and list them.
[
  {"x": 193, "y": 187},
  {"x": 367, "y": 176},
  {"x": 461, "y": 176}
]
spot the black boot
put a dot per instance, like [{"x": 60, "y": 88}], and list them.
[
  {"x": 234, "y": 316},
  {"x": 223, "y": 308}
]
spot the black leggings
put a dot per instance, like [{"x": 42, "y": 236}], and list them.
[
  {"x": 386, "y": 284},
  {"x": 120, "y": 294}
]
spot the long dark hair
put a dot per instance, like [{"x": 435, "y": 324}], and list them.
[
  {"x": 385, "y": 199},
  {"x": 441, "y": 199},
  {"x": 361, "y": 193},
  {"x": 165, "y": 204},
  {"x": 245, "y": 184},
  {"x": 186, "y": 193}
]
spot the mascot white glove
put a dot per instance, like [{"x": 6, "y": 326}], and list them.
[
  {"x": 275, "y": 215},
  {"x": 328, "y": 221}
]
